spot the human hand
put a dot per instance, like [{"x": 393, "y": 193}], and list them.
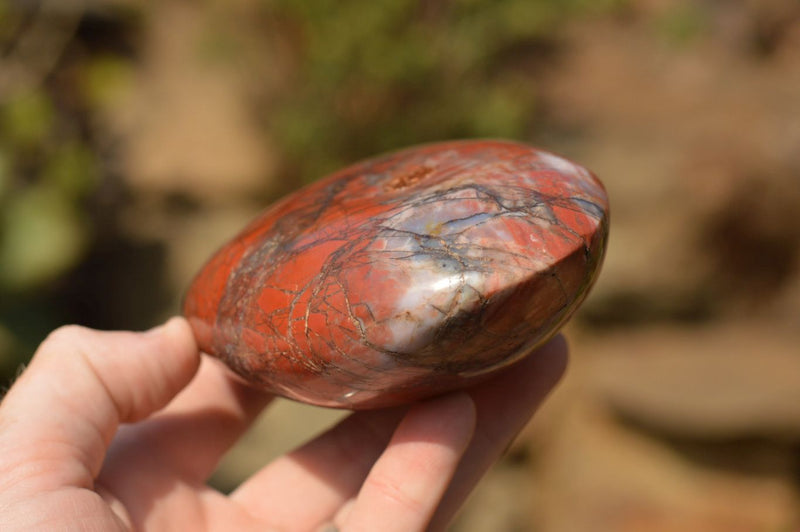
[{"x": 119, "y": 431}]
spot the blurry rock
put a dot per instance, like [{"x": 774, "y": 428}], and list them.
[
  {"x": 677, "y": 135},
  {"x": 599, "y": 476},
  {"x": 191, "y": 129},
  {"x": 584, "y": 470},
  {"x": 750, "y": 236},
  {"x": 787, "y": 307},
  {"x": 500, "y": 502},
  {"x": 723, "y": 381}
]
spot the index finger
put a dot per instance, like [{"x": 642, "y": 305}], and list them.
[{"x": 81, "y": 384}]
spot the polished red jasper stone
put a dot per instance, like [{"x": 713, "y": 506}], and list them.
[{"x": 404, "y": 276}]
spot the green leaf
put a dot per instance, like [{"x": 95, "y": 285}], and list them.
[
  {"x": 5, "y": 175},
  {"x": 72, "y": 170},
  {"x": 42, "y": 236},
  {"x": 28, "y": 118},
  {"x": 107, "y": 80}
]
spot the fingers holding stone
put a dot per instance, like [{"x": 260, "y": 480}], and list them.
[
  {"x": 404, "y": 487},
  {"x": 505, "y": 404}
]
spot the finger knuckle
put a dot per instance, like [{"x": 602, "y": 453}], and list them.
[
  {"x": 66, "y": 337},
  {"x": 395, "y": 494}
]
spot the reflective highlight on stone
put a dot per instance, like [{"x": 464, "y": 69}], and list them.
[{"x": 404, "y": 276}]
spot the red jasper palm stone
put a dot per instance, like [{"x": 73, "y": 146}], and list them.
[{"x": 404, "y": 276}]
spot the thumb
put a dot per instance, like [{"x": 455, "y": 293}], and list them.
[{"x": 58, "y": 419}]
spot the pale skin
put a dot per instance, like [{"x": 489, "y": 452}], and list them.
[{"x": 113, "y": 431}]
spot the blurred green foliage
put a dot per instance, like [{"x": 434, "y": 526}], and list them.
[
  {"x": 373, "y": 76},
  {"x": 27, "y": 119},
  {"x": 682, "y": 23},
  {"x": 46, "y": 175},
  {"x": 51, "y": 85}
]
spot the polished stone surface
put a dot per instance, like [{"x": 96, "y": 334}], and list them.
[{"x": 405, "y": 275}]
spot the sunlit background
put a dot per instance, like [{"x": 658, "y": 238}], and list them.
[{"x": 137, "y": 137}]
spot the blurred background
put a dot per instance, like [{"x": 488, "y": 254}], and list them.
[{"x": 137, "y": 137}]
